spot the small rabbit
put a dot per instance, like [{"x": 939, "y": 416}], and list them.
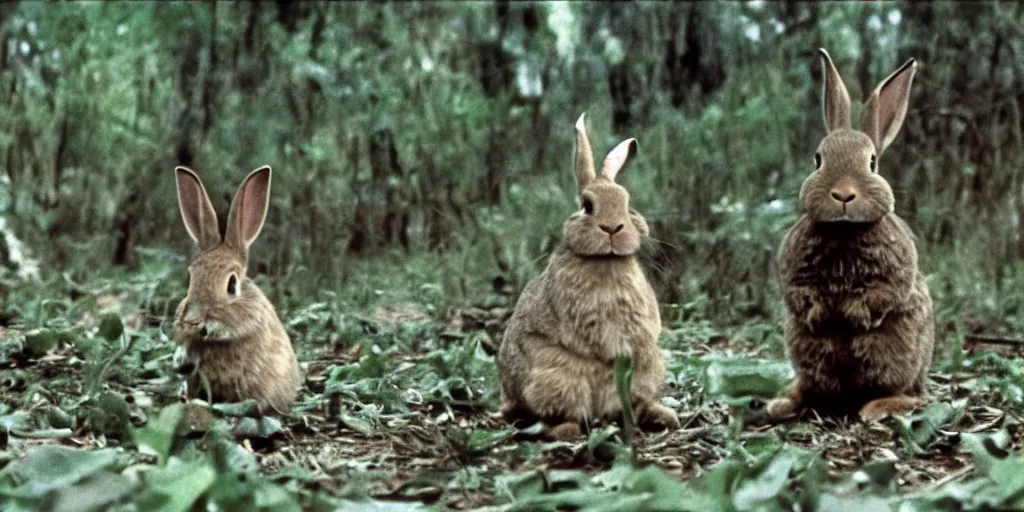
[
  {"x": 860, "y": 327},
  {"x": 225, "y": 322},
  {"x": 590, "y": 306}
]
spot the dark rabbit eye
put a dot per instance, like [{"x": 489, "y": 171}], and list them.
[
  {"x": 874, "y": 164},
  {"x": 817, "y": 160},
  {"x": 233, "y": 286},
  {"x": 588, "y": 207}
]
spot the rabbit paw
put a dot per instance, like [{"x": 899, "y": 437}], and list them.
[
  {"x": 781, "y": 408},
  {"x": 859, "y": 315},
  {"x": 568, "y": 431},
  {"x": 815, "y": 317},
  {"x": 656, "y": 416},
  {"x": 881, "y": 408}
]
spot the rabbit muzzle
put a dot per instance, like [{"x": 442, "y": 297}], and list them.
[{"x": 195, "y": 325}]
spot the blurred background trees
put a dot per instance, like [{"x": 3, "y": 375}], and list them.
[{"x": 445, "y": 131}]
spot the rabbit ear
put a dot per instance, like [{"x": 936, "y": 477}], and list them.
[
  {"x": 835, "y": 98},
  {"x": 249, "y": 209},
  {"x": 196, "y": 209},
  {"x": 618, "y": 157},
  {"x": 887, "y": 106},
  {"x": 585, "y": 172}
]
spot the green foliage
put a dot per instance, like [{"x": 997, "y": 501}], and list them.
[{"x": 422, "y": 173}]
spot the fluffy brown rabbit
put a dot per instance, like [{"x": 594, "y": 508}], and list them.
[
  {"x": 227, "y": 325},
  {"x": 860, "y": 327},
  {"x": 590, "y": 306}
]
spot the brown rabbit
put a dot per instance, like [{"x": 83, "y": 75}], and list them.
[
  {"x": 592, "y": 305},
  {"x": 860, "y": 327},
  {"x": 225, "y": 322}
]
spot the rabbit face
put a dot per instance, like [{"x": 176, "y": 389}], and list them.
[
  {"x": 605, "y": 226},
  {"x": 217, "y": 291},
  {"x": 845, "y": 186}
]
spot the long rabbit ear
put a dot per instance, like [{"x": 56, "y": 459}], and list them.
[
  {"x": 585, "y": 172},
  {"x": 196, "y": 209},
  {"x": 618, "y": 157},
  {"x": 249, "y": 209},
  {"x": 835, "y": 98},
  {"x": 887, "y": 106}
]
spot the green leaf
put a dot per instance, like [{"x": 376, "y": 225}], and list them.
[
  {"x": 624, "y": 385},
  {"x": 746, "y": 377},
  {"x": 157, "y": 436},
  {"x": 41, "y": 341},
  {"x": 95, "y": 492},
  {"x": 481, "y": 441},
  {"x": 57, "y": 418},
  {"x": 246, "y": 409},
  {"x": 918, "y": 430},
  {"x": 51, "y": 467},
  {"x": 361, "y": 425},
  {"x": 985, "y": 449},
  {"x": 176, "y": 486},
  {"x": 765, "y": 486},
  {"x": 111, "y": 327},
  {"x": 1008, "y": 474}
]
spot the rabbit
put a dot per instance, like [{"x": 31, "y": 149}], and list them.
[
  {"x": 860, "y": 324},
  {"x": 226, "y": 324},
  {"x": 591, "y": 305}
]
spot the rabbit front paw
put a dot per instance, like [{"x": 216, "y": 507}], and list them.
[
  {"x": 859, "y": 314},
  {"x": 781, "y": 408},
  {"x": 816, "y": 316}
]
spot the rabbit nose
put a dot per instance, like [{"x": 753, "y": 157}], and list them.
[
  {"x": 843, "y": 195},
  {"x": 192, "y": 312},
  {"x": 610, "y": 230}
]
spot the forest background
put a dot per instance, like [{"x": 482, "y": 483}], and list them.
[{"x": 422, "y": 152}]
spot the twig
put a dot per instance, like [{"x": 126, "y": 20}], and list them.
[
  {"x": 994, "y": 340},
  {"x": 51, "y": 433},
  {"x": 956, "y": 475}
]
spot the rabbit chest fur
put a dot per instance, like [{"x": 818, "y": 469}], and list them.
[{"x": 859, "y": 323}]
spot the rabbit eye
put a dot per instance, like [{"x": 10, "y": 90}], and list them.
[
  {"x": 233, "y": 286},
  {"x": 817, "y": 161},
  {"x": 588, "y": 206},
  {"x": 874, "y": 164}
]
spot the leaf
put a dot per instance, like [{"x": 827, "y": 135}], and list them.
[
  {"x": 157, "y": 436},
  {"x": 361, "y": 425},
  {"x": 767, "y": 484},
  {"x": 985, "y": 449},
  {"x": 745, "y": 377},
  {"x": 111, "y": 327},
  {"x": 1008, "y": 474},
  {"x": 918, "y": 430},
  {"x": 176, "y": 486},
  {"x": 859, "y": 503},
  {"x": 94, "y": 493},
  {"x": 41, "y": 341},
  {"x": 51, "y": 467},
  {"x": 109, "y": 415},
  {"x": 57, "y": 418},
  {"x": 481, "y": 440},
  {"x": 624, "y": 384},
  {"x": 246, "y": 409}
]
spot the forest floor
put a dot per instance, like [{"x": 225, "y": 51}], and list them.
[{"x": 398, "y": 412}]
